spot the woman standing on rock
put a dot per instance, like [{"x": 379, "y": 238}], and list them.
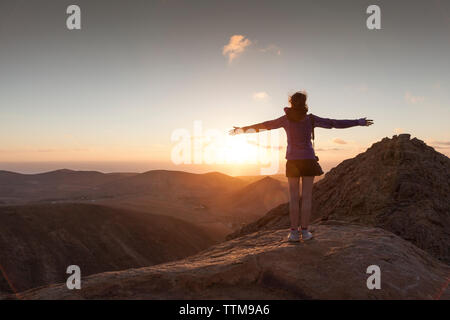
[{"x": 301, "y": 159}]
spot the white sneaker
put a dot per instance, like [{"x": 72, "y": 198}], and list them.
[
  {"x": 306, "y": 235},
  {"x": 294, "y": 236}
]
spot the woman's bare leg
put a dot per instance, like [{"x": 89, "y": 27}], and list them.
[
  {"x": 307, "y": 186},
  {"x": 294, "y": 199}
]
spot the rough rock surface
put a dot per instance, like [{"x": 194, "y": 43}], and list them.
[
  {"x": 399, "y": 184},
  {"x": 263, "y": 265}
]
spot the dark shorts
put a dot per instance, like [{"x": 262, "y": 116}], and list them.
[{"x": 303, "y": 167}]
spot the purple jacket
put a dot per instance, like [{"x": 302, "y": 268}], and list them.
[{"x": 298, "y": 133}]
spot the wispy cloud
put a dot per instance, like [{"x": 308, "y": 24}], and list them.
[
  {"x": 399, "y": 130},
  {"x": 260, "y": 96},
  {"x": 255, "y": 143},
  {"x": 410, "y": 98},
  {"x": 235, "y": 47},
  {"x": 440, "y": 144},
  {"x": 49, "y": 150},
  {"x": 339, "y": 141},
  {"x": 239, "y": 43},
  {"x": 328, "y": 149},
  {"x": 271, "y": 48},
  {"x": 446, "y": 143},
  {"x": 437, "y": 85}
]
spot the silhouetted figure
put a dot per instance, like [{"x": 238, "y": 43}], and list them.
[{"x": 301, "y": 158}]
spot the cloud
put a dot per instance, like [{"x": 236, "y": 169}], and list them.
[
  {"x": 235, "y": 47},
  {"x": 327, "y": 149},
  {"x": 255, "y": 143},
  {"x": 49, "y": 150},
  {"x": 339, "y": 141},
  {"x": 271, "y": 48},
  {"x": 446, "y": 143},
  {"x": 440, "y": 144},
  {"x": 413, "y": 99},
  {"x": 262, "y": 95},
  {"x": 399, "y": 130},
  {"x": 239, "y": 43}
]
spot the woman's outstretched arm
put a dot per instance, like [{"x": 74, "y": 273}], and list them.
[
  {"x": 248, "y": 129},
  {"x": 267, "y": 125},
  {"x": 340, "y": 124}
]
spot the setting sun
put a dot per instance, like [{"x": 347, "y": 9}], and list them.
[{"x": 240, "y": 151}]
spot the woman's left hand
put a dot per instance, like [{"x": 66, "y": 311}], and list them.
[{"x": 235, "y": 131}]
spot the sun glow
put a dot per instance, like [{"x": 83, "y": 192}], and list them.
[
  {"x": 232, "y": 150},
  {"x": 240, "y": 150},
  {"x": 216, "y": 147}
]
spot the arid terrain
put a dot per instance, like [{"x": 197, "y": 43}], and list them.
[
  {"x": 387, "y": 207},
  {"x": 209, "y": 200},
  {"x": 38, "y": 242},
  {"x": 263, "y": 265}
]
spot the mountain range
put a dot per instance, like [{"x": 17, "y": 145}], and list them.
[{"x": 387, "y": 207}]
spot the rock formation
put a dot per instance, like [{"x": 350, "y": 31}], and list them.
[
  {"x": 399, "y": 184},
  {"x": 263, "y": 265}
]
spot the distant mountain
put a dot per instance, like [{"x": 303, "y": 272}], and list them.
[
  {"x": 399, "y": 184},
  {"x": 62, "y": 176},
  {"x": 250, "y": 179},
  {"x": 54, "y": 185},
  {"x": 70, "y": 185},
  {"x": 173, "y": 193},
  {"x": 38, "y": 242},
  {"x": 166, "y": 183}
]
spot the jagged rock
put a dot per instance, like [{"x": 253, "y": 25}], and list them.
[
  {"x": 399, "y": 184},
  {"x": 263, "y": 265}
]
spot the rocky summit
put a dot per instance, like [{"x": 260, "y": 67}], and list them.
[
  {"x": 399, "y": 184},
  {"x": 263, "y": 265}
]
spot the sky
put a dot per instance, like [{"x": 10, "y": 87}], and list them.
[{"x": 112, "y": 95}]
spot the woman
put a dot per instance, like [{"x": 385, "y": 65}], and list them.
[{"x": 301, "y": 159}]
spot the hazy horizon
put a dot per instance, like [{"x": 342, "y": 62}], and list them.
[
  {"x": 114, "y": 167},
  {"x": 34, "y": 167}
]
